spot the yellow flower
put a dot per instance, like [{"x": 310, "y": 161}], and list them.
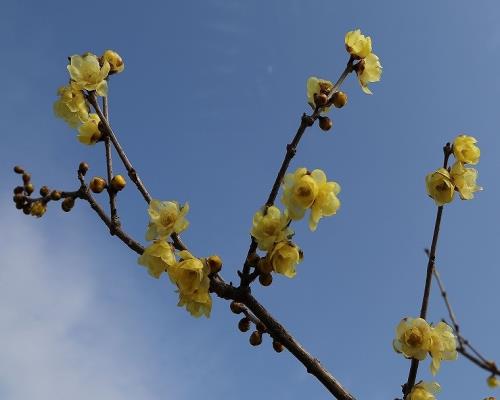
[
  {"x": 115, "y": 61},
  {"x": 493, "y": 381},
  {"x": 89, "y": 132},
  {"x": 443, "y": 346},
  {"x": 413, "y": 338},
  {"x": 326, "y": 202},
  {"x": 191, "y": 277},
  {"x": 270, "y": 228},
  {"x": 284, "y": 257},
  {"x": 464, "y": 180},
  {"x": 299, "y": 192},
  {"x": 166, "y": 217},
  {"x": 357, "y": 44},
  {"x": 88, "y": 74},
  {"x": 368, "y": 70},
  {"x": 38, "y": 209},
  {"x": 157, "y": 258},
  {"x": 440, "y": 186},
  {"x": 424, "y": 391},
  {"x": 71, "y": 105},
  {"x": 465, "y": 149},
  {"x": 315, "y": 87}
]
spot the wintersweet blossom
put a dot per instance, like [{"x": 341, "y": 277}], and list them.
[
  {"x": 464, "y": 180},
  {"x": 357, "y": 44},
  {"x": 424, "y": 391},
  {"x": 38, "y": 209},
  {"x": 284, "y": 257},
  {"x": 71, "y": 105},
  {"x": 368, "y": 70},
  {"x": 88, "y": 132},
  {"x": 165, "y": 218},
  {"x": 88, "y": 74},
  {"x": 115, "y": 61},
  {"x": 157, "y": 257},
  {"x": 413, "y": 338},
  {"x": 326, "y": 202},
  {"x": 316, "y": 87},
  {"x": 465, "y": 149},
  {"x": 443, "y": 345},
  {"x": 270, "y": 227},
  {"x": 440, "y": 186}
]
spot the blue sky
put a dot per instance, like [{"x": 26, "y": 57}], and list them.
[{"x": 211, "y": 93}]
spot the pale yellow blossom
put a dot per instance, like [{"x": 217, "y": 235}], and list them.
[
  {"x": 71, "y": 105},
  {"x": 357, "y": 44},
  {"x": 464, "y": 180},
  {"x": 299, "y": 192},
  {"x": 424, "y": 391},
  {"x": 284, "y": 257},
  {"x": 88, "y": 132},
  {"x": 270, "y": 227},
  {"x": 369, "y": 70},
  {"x": 465, "y": 149},
  {"x": 443, "y": 345},
  {"x": 165, "y": 218},
  {"x": 440, "y": 186},
  {"x": 157, "y": 258},
  {"x": 315, "y": 87},
  {"x": 413, "y": 338},
  {"x": 88, "y": 74},
  {"x": 326, "y": 202},
  {"x": 115, "y": 61}
]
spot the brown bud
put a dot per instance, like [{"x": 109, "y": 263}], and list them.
[
  {"x": 215, "y": 264},
  {"x": 97, "y": 184},
  {"x": 253, "y": 259},
  {"x": 118, "y": 183},
  {"x": 255, "y": 338},
  {"x": 278, "y": 347},
  {"x": 236, "y": 307},
  {"x": 83, "y": 168},
  {"x": 68, "y": 204},
  {"x": 339, "y": 99},
  {"x": 244, "y": 324},
  {"x": 320, "y": 99},
  {"x": 44, "y": 191},
  {"x": 265, "y": 266},
  {"x": 26, "y": 178},
  {"x": 308, "y": 120},
  {"x": 265, "y": 279},
  {"x": 55, "y": 195},
  {"x": 18, "y": 170},
  {"x": 27, "y": 209},
  {"x": 18, "y": 198},
  {"x": 20, "y": 206},
  {"x": 18, "y": 189},
  {"x": 29, "y": 188},
  {"x": 325, "y": 123}
]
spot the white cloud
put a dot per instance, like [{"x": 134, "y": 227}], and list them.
[{"x": 50, "y": 319}]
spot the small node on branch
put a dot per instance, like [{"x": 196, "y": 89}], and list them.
[
  {"x": 277, "y": 346},
  {"x": 44, "y": 191},
  {"x": 308, "y": 120},
  {"x": 255, "y": 338},
  {"x": 320, "y": 99},
  {"x": 55, "y": 195},
  {"x": 97, "y": 184},
  {"x": 118, "y": 183},
  {"x": 67, "y": 204},
  {"x": 29, "y": 188},
  {"x": 261, "y": 327},
  {"x": 244, "y": 324},
  {"x": 264, "y": 266},
  {"x": 236, "y": 307},
  {"x": 265, "y": 279},
  {"x": 325, "y": 123},
  {"x": 83, "y": 168},
  {"x": 253, "y": 259},
  {"x": 26, "y": 178},
  {"x": 215, "y": 264},
  {"x": 18, "y": 170},
  {"x": 339, "y": 99}
]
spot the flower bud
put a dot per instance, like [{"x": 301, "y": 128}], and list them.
[
  {"x": 97, "y": 184},
  {"x": 29, "y": 188},
  {"x": 255, "y": 338},
  {"x": 18, "y": 170},
  {"x": 215, "y": 264},
  {"x": 339, "y": 99},
  {"x": 67, "y": 204},
  {"x": 44, "y": 191},
  {"x": 277, "y": 346},
  {"x": 26, "y": 178},
  {"x": 38, "y": 208},
  {"x": 118, "y": 183},
  {"x": 253, "y": 259},
  {"x": 27, "y": 209},
  {"x": 83, "y": 168},
  {"x": 18, "y": 198},
  {"x": 18, "y": 189},
  {"x": 55, "y": 195},
  {"x": 236, "y": 307},
  {"x": 265, "y": 279},
  {"x": 320, "y": 99},
  {"x": 264, "y": 266},
  {"x": 114, "y": 60},
  {"x": 308, "y": 120},
  {"x": 244, "y": 324},
  {"x": 325, "y": 123}
]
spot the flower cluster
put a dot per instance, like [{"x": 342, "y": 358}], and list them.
[
  {"x": 87, "y": 72},
  {"x": 368, "y": 68},
  {"x": 442, "y": 183},
  {"x": 415, "y": 338},
  {"x": 187, "y": 272}
]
